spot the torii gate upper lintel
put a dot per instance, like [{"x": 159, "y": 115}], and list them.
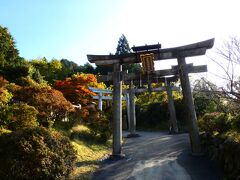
[
  {"x": 196, "y": 49},
  {"x": 179, "y": 53}
]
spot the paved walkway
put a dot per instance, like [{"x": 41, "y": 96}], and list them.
[{"x": 157, "y": 156}]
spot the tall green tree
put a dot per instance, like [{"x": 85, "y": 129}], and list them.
[
  {"x": 68, "y": 68},
  {"x": 12, "y": 66},
  {"x": 124, "y": 48},
  {"x": 49, "y": 70},
  {"x": 8, "y": 51},
  {"x": 86, "y": 68}
]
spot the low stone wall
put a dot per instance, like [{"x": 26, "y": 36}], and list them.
[{"x": 225, "y": 152}]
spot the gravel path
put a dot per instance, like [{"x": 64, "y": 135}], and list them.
[{"x": 157, "y": 156}]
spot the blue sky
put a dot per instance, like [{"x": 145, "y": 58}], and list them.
[
  {"x": 74, "y": 28},
  {"x": 58, "y": 28}
]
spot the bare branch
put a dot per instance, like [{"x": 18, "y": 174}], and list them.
[
  {"x": 230, "y": 53},
  {"x": 223, "y": 68}
]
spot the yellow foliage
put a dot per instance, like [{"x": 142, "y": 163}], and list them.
[{"x": 5, "y": 97}]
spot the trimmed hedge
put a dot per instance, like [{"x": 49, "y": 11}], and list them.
[{"x": 35, "y": 153}]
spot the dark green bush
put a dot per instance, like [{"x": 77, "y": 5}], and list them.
[
  {"x": 17, "y": 116},
  {"x": 225, "y": 152},
  {"x": 22, "y": 116},
  {"x": 72, "y": 120},
  {"x": 222, "y": 123},
  {"x": 153, "y": 116},
  {"x": 99, "y": 125},
  {"x": 181, "y": 115},
  {"x": 156, "y": 116},
  {"x": 204, "y": 103},
  {"x": 206, "y": 123},
  {"x": 35, "y": 153},
  {"x": 214, "y": 122},
  {"x": 235, "y": 121}
]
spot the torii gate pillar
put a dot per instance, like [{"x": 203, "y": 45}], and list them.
[
  {"x": 171, "y": 108},
  {"x": 117, "y": 111},
  {"x": 188, "y": 100},
  {"x": 100, "y": 101},
  {"x": 132, "y": 122}
]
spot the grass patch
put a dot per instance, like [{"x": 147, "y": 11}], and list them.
[{"x": 89, "y": 152}]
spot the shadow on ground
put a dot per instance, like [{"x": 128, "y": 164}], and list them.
[{"x": 157, "y": 156}]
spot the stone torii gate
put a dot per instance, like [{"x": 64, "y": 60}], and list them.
[
  {"x": 100, "y": 96},
  {"x": 179, "y": 53},
  {"x": 146, "y": 80},
  {"x": 129, "y": 98},
  {"x": 173, "y": 127},
  {"x": 172, "y": 121}
]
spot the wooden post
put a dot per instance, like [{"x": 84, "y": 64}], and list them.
[
  {"x": 191, "y": 114},
  {"x": 132, "y": 126},
  {"x": 100, "y": 101},
  {"x": 171, "y": 109},
  {"x": 117, "y": 111}
]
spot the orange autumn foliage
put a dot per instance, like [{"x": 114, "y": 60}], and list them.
[
  {"x": 75, "y": 89},
  {"x": 50, "y": 103},
  {"x": 3, "y": 81}
]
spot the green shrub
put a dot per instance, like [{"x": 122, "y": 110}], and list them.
[
  {"x": 235, "y": 121},
  {"x": 3, "y": 131},
  {"x": 233, "y": 135},
  {"x": 206, "y": 122},
  {"x": 17, "y": 116},
  {"x": 35, "y": 153},
  {"x": 225, "y": 152},
  {"x": 222, "y": 123},
  {"x": 152, "y": 116},
  {"x": 204, "y": 103},
  {"x": 156, "y": 115},
  {"x": 99, "y": 125},
  {"x": 67, "y": 124},
  {"x": 22, "y": 116},
  {"x": 5, "y": 97},
  {"x": 214, "y": 122}
]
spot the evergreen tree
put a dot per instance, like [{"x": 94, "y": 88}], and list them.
[
  {"x": 8, "y": 50},
  {"x": 12, "y": 66},
  {"x": 123, "y": 48}
]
